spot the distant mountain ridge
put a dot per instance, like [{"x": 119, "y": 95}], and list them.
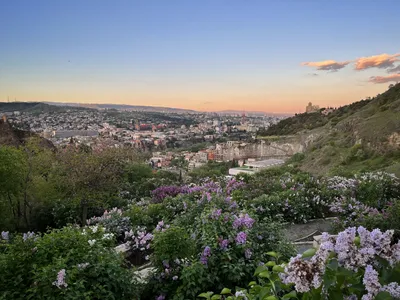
[
  {"x": 125, "y": 107},
  {"x": 19, "y": 106}
]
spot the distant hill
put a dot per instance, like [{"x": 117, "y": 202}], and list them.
[
  {"x": 32, "y": 107},
  {"x": 362, "y": 136},
  {"x": 126, "y": 107}
]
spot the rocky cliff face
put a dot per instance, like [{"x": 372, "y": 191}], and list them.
[{"x": 259, "y": 150}]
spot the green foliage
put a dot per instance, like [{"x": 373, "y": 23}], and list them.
[
  {"x": 171, "y": 244},
  {"x": 138, "y": 172},
  {"x": 292, "y": 125},
  {"x": 29, "y": 267},
  {"x": 147, "y": 216},
  {"x": 210, "y": 170}
]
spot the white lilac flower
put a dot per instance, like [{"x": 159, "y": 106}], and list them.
[
  {"x": 82, "y": 266},
  {"x": 108, "y": 236},
  {"x": 241, "y": 294},
  {"x": 91, "y": 242},
  {"x": 5, "y": 235},
  {"x": 94, "y": 229}
]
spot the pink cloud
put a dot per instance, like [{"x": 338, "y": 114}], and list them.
[
  {"x": 385, "y": 79},
  {"x": 382, "y": 61},
  {"x": 327, "y": 65}
]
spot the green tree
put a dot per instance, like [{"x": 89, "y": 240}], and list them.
[{"x": 13, "y": 167}]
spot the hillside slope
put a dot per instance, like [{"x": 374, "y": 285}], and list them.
[
  {"x": 362, "y": 136},
  {"x": 14, "y": 137}
]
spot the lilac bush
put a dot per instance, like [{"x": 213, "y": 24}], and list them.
[
  {"x": 357, "y": 264},
  {"x": 113, "y": 221}
]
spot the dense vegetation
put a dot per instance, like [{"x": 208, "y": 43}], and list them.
[{"x": 62, "y": 214}]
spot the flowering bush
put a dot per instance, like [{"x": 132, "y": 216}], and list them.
[
  {"x": 369, "y": 199},
  {"x": 159, "y": 194},
  {"x": 358, "y": 264},
  {"x": 229, "y": 243},
  {"x": 113, "y": 221},
  {"x": 70, "y": 263},
  {"x": 139, "y": 242}
]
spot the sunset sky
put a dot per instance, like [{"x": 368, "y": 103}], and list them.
[{"x": 265, "y": 55}]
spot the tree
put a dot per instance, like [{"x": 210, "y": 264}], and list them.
[
  {"x": 90, "y": 179},
  {"x": 12, "y": 170}
]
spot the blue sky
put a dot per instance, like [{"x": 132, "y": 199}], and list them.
[{"x": 206, "y": 55}]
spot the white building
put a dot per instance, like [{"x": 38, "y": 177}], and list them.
[{"x": 254, "y": 166}]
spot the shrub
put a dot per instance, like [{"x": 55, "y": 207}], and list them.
[
  {"x": 171, "y": 244},
  {"x": 357, "y": 265},
  {"x": 64, "y": 264},
  {"x": 113, "y": 221}
]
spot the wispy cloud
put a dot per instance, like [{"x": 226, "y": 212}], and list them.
[
  {"x": 327, "y": 65},
  {"x": 382, "y": 61},
  {"x": 312, "y": 74},
  {"x": 394, "y": 70},
  {"x": 384, "y": 79}
]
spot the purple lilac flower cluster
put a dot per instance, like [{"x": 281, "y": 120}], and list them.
[
  {"x": 233, "y": 185},
  {"x": 207, "y": 188},
  {"x": 216, "y": 213},
  {"x": 352, "y": 252},
  {"x": 243, "y": 220},
  {"x": 373, "y": 286},
  {"x": 241, "y": 238},
  {"x": 351, "y": 210},
  {"x": 205, "y": 255},
  {"x": 161, "y": 226},
  {"x": 139, "y": 240},
  {"x": 224, "y": 243},
  {"x": 162, "y": 192},
  {"x": 60, "y": 282}
]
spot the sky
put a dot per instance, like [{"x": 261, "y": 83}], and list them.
[{"x": 208, "y": 55}]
